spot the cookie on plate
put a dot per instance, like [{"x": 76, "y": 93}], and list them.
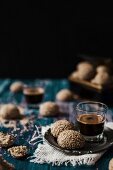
[
  {"x": 70, "y": 139},
  {"x": 102, "y": 79},
  {"x": 102, "y": 69},
  {"x": 60, "y": 126},
  {"x": 85, "y": 71},
  {"x": 83, "y": 65}
]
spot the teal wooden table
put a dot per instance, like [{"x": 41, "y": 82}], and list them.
[{"x": 51, "y": 87}]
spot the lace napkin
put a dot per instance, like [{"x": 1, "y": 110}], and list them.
[{"x": 47, "y": 154}]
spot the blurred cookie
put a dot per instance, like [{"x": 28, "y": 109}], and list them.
[
  {"x": 49, "y": 109},
  {"x": 111, "y": 164},
  {"x": 16, "y": 87},
  {"x": 86, "y": 74},
  {"x": 18, "y": 151},
  {"x": 75, "y": 75},
  {"x": 70, "y": 139},
  {"x": 85, "y": 71},
  {"x": 6, "y": 140},
  {"x": 84, "y": 65},
  {"x": 10, "y": 111},
  {"x": 64, "y": 95},
  {"x": 102, "y": 69},
  {"x": 102, "y": 79},
  {"x": 60, "y": 126},
  {"x": 4, "y": 165}
]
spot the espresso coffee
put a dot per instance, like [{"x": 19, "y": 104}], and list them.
[
  {"x": 90, "y": 124},
  {"x": 33, "y": 95}
]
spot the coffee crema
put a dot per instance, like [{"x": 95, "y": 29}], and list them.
[
  {"x": 91, "y": 124},
  {"x": 33, "y": 95}
]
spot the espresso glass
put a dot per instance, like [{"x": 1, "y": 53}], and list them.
[
  {"x": 33, "y": 95},
  {"x": 90, "y": 117}
]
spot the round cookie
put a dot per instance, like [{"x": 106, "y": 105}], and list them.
[
  {"x": 111, "y": 164},
  {"x": 86, "y": 73},
  {"x": 102, "y": 68},
  {"x": 64, "y": 95},
  {"x": 60, "y": 126},
  {"x": 16, "y": 87},
  {"x": 101, "y": 79},
  {"x": 70, "y": 139},
  {"x": 6, "y": 140},
  {"x": 84, "y": 65},
  {"x": 10, "y": 111},
  {"x": 75, "y": 75},
  {"x": 18, "y": 151},
  {"x": 49, "y": 109}
]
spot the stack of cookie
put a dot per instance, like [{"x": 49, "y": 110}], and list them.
[
  {"x": 67, "y": 136},
  {"x": 97, "y": 75}
]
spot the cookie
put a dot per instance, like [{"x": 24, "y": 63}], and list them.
[
  {"x": 102, "y": 79},
  {"x": 111, "y": 164},
  {"x": 84, "y": 65},
  {"x": 102, "y": 69},
  {"x": 10, "y": 111},
  {"x": 49, "y": 109},
  {"x": 64, "y": 95},
  {"x": 75, "y": 75},
  {"x": 60, "y": 126},
  {"x": 18, "y": 151},
  {"x": 16, "y": 87},
  {"x": 70, "y": 139},
  {"x": 85, "y": 71},
  {"x": 6, "y": 140}
]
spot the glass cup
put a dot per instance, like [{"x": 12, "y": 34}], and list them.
[
  {"x": 33, "y": 95},
  {"x": 90, "y": 117}
]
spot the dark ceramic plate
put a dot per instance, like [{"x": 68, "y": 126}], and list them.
[{"x": 90, "y": 147}]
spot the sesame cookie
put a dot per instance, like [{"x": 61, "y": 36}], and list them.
[
  {"x": 70, "y": 139},
  {"x": 60, "y": 126}
]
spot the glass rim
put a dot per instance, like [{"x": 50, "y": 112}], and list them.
[
  {"x": 32, "y": 86},
  {"x": 92, "y": 102}
]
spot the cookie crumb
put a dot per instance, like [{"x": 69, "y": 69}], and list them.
[
  {"x": 6, "y": 140},
  {"x": 18, "y": 151}
]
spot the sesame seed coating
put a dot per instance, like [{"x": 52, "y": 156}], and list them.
[
  {"x": 60, "y": 126},
  {"x": 70, "y": 139}
]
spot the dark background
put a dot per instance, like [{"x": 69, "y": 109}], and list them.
[{"x": 43, "y": 40}]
